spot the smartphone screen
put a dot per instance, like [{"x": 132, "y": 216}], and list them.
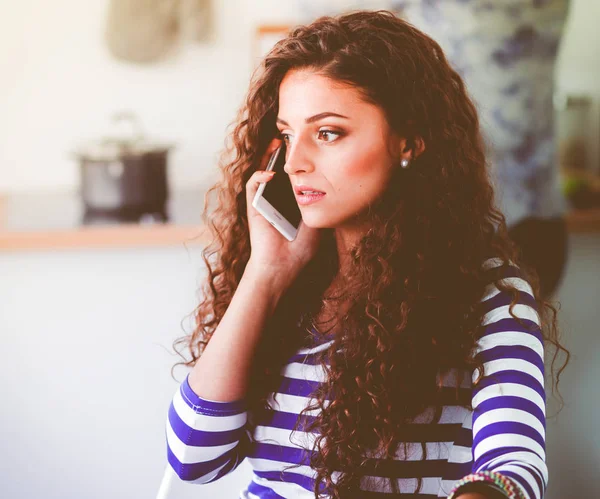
[{"x": 280, "y": 193}]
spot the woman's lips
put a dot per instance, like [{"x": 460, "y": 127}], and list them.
[{"x": 305, "y": 199}]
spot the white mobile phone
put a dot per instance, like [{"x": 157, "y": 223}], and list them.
[{"x": 275, "y": 199}]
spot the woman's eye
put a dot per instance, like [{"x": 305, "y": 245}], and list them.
[{"x": 329, "y": 132}]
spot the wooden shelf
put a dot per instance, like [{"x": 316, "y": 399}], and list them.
[
  {"x": 53, "y": 220},
  {"x": 584, "y": 221},
  {"x": 102, "y": 237}
]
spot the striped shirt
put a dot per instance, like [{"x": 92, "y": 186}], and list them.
[{"x": 504, "y": 433}]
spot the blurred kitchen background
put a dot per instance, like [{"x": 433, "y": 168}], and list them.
[{"x": 99, "y": 271}]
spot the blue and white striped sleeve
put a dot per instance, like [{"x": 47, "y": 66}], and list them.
[
  {"x": 205, "y": 439},
  {"x": 509, "y": 402}
]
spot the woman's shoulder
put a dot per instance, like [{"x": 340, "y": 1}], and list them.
[
  {"x": 496, "y": 263},
  {"x": 515, "y": 308},
  {"x": 496, "y": 271}
]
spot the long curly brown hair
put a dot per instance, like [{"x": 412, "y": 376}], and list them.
[{"x": 416, "y": 278}]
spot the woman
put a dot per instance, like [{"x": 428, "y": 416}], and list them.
[{"x": 396, "y": 345}]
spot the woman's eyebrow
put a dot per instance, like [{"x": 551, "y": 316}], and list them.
[{"x": 314, "y": 118}]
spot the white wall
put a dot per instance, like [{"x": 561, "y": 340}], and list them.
[
  {"x": 85, "y": 358},
  {"x": 579, "y": 62},
  {"x": 578, "y": 67},
  {"x": 60, "y": 85}
]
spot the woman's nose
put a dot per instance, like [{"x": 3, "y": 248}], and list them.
[{"x": 297, "y": 159}]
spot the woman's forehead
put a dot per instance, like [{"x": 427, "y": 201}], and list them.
[{"x": 303, "y": 94}]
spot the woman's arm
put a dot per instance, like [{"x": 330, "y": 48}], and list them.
[
  {"x": 509, "y": 401},
  {"x": 206, "y": 435},
  {"x": 205, "y": 439},
  {"x": 221, "y": 373}
]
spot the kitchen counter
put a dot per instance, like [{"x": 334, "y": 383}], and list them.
[{"x": 53, "y": 220}]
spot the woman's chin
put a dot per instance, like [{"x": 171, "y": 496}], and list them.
[{"x": 315, "y": 221}]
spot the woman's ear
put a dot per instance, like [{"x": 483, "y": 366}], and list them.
[
  {"x": 409, "y": 149},
  {"x": 415, "y": 147}
]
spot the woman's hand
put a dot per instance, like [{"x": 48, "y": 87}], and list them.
[{"x": 271, "y": 252}]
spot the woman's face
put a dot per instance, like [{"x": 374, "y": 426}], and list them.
[{"x": 346, "y": 156}]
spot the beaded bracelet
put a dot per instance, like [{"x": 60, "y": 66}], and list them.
[{"x": 502, "y": 482}]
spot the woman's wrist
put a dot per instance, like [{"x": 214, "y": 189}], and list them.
[
  {"x": 472, "y": 495},
  {"x": 491, "y": 484},
  {"x": 480, "y": 490}
]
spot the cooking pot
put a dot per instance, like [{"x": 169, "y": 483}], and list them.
[{"x": 124, "y": 176}]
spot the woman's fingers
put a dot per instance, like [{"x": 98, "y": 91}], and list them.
[
  {"x": 261, "y": 175},
  {"x": 275, "y": 143},
  {"x": 253, "y": 183}
]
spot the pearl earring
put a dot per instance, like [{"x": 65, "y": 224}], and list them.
[{"x": 404, "y": 163}]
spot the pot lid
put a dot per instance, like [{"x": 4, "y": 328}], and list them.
[
  {"x": 109, "y": 149},
  {"x": 125, "y": 138}
]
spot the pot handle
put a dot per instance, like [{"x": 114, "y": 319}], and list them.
[{"x": 127, "y": 126}]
